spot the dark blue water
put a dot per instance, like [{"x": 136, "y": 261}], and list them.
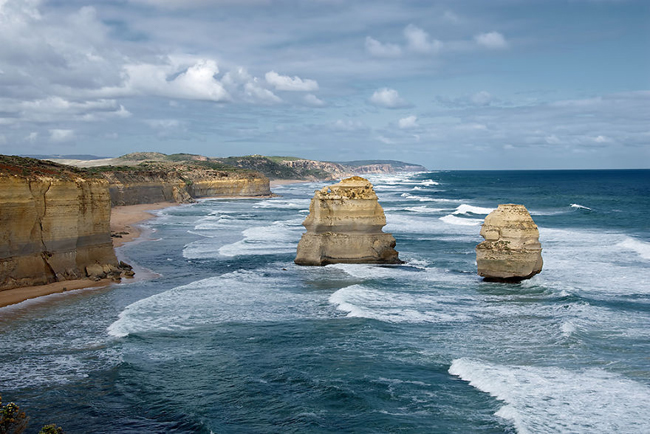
[{"x": 233, "y": 337}]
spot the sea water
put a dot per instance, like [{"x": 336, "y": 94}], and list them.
[{"x": 231, "y": 336}]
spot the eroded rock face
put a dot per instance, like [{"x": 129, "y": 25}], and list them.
[
  {"x": 54, "y": 229},
  {"x": 137, "y": 187},
  {"x": 344, "y": 226},
  {"x": 511, "y": 251}
]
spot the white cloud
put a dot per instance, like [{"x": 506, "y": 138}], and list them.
[
  {"x": 255, "y": 92},
  {"x": 196, "y": 82},
  {"x": 376, "y": 48},
  {"x": 492, "y": 40},
  {"x": 419, "y": 41},
  {"x": 284, "y": 82},
  {"x": 388, "y": 98},
  {"x": 312, "y": 100},
  {"x": 60, "y": 135},
  {"x": 31, "y": 137},
  {"x": 408, "y": 122},
  {"x": 481, "y": 98}
]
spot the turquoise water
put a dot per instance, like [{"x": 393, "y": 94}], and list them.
[{"x": 233, "y": 337}]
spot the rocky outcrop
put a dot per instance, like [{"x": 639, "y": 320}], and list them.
[
  {"x": 511, "y": 250},
  {"x": 54, "y": 226},
  {"x": 344, "y": 225},
  {"x": 181, "y": 185}
]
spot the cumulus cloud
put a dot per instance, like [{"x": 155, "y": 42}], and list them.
[
  {"x": 419, "y": 41},
  {"x": 408, "y": 122},
  {"x": 197, "y": 81},
  {"x": 312, "y": 100},
  {"x": 284, "y": 82},
  {"x": 492, "y": 40},
  {"x": 376, "y": 48},
  {"x": 388, "y": 98},
  {"x": 255, "y": 92},
  {"x": 61, "y": 135}
]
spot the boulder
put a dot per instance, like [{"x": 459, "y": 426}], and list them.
[
  {"x": 344, "y": 225},
  {"x": 511, "y": 251}
]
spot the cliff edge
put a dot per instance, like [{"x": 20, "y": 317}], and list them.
[{"x": 54, "y": 224}]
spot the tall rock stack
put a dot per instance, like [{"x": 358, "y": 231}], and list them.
[
  {"x": 511, "y": 251},
  {"x": 344, "y": 226}
]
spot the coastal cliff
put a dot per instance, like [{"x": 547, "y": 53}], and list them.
[
  {"x": 180, "y": 184},
  {"x": 54, "y": 225}
]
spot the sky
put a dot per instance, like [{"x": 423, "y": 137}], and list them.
[{"x": 462, "y": 84}]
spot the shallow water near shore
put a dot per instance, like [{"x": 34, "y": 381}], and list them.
[{"x": 233, "y": 337}]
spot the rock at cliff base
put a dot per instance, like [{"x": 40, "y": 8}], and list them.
[
  {"x": 511, "y": 251},
  {"x": 344, "y": 226}
]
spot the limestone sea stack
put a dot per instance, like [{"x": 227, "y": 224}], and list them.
[
  {"x": 344, "y": 226},
  {"x": 511, "y": 251}
]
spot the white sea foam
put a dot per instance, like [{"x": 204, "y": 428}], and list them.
[
  {"x": 241, "y": 296},
  {"x": 548, "y": 399},
  {"x": 394, "y": 307},
  {"x": 410, "y": 196},
  {"x": 581, "y": 261},
  {"x": 459, "y": 221},
  {"x": 642, "y": 248},
  {"x": 429, "y": 182},
  {"x": 283, "y": 204},
  {"x": 577, "y": 206},
  {"x": 280, "y": 237},
  {"x": 465, "y": 209},
  {"x": 568, "y": 328}
]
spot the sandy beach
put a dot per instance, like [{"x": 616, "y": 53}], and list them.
[
  {"x": 276, "y": 182},
  {"x": 123, "y": 221},
  {"x": 125, "y": 218}
]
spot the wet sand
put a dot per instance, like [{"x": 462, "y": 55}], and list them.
[{"x": 123, "y": 221}]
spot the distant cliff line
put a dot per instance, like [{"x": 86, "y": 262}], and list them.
[{"x": 274, "y": 168}]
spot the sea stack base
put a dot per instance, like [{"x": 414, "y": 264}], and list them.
[{"x": 344, "y": 226}]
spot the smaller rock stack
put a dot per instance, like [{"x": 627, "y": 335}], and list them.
[
  {"x": 344, "y": 226},
  {"x": 511, "y": 251}
]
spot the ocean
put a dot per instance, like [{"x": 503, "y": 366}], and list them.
[{"x": 232, "y": 337}]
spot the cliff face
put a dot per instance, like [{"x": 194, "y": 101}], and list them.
[
  {"x": 344, "y": 225},
  {"x": 136, "y": 187},
  {"x": 54, "y": 229}
]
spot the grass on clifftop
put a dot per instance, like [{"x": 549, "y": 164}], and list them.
[{"x": 25, "y": 166}]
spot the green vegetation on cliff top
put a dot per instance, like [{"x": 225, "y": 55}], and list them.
[{"x": 26, "y": 166}]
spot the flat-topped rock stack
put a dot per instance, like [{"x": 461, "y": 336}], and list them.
[
  {"x": 511, "y": 251},
  {"x": 344, "y": 225}
]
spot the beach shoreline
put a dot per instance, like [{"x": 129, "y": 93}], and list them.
[
  {"x": 124, "y": 221},
  {"x": 124, "y": 229}
]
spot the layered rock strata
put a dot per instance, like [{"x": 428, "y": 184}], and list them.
[
  {"x": 511, "y": 251},
  {"x": 344, "y": 225},
  {"x": 138, "y": 187},
  {"x": 54, "y": 228}
]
